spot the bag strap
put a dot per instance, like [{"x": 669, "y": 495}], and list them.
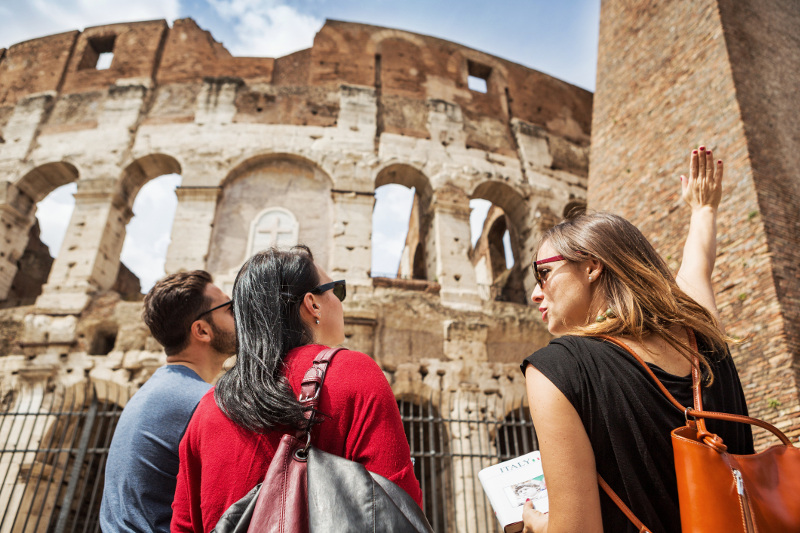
[
  {"x": 709, "y": 438},
  {"x": 311, "y": 386},
  {"x": 622, "y": 507}
]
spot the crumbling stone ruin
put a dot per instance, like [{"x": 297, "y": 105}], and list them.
[
  {"x": 292, "y": 149},
  {"x": 282, "y": 151}
]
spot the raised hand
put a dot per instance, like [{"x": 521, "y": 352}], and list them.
[
  {"x": 703, "y": 187},
  {"x": 702, "y": 190}
]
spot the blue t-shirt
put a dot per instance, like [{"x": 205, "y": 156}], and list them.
[{"x": 143, "y": 462}]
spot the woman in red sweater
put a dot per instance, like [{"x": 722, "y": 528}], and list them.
[{"x": 287, "y": 310}]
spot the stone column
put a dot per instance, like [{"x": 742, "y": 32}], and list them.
[
  {"x": 89, "y": 257},
  {"x": 352, "y": 237},
  {"x": 15, "y": 223},
  {"x": 191, "y": 228},
  {"x": 454, "y": 271}
]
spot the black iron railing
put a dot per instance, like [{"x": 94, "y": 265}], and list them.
[
  {"x": 54, "y": 447},
  {"x": 54, "y": 444},
  {"x": 451, "y": 440}
]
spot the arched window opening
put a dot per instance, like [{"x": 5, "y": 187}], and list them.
[
  {"x": 53, "y": 214},
  {"x": 395, "y": 233},
  {"x": 493, "y": 253},
  {"x": 430, "y": 453},
  {"x": 402, "y": 245},
  {"x": 44, "y": 242},
  {"x": 147, "y": 236}
]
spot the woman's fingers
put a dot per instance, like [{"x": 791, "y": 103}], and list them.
[
  {"x": 693, "y": 164},
  {"x": 709, "y": 165},
  {"x": 704, "y": 160}
]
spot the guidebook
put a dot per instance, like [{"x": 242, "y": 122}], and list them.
[{"x": 509, "y": 484}]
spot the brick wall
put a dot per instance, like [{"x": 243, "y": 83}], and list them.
[
  {"x": 670, "y": 79},
  {"x": 407, "y": 71}
]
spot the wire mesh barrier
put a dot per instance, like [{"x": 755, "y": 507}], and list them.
[
  {"x": 54, "y": 446},
  {"x": 54, "y": 443},
  {"x": 451, "y": 440}
]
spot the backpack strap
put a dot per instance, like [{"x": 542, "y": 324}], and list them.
[{"x": 710, "y": 439}]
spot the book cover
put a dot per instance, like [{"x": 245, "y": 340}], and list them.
[{"x": 509, "y": 484}]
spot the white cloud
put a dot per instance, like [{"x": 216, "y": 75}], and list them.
[
  {"x": 37, "y": 18},
  {"x": 390, "y": 227},
  {"x": 147, "y": 238},
  {"x": 267, "y": 28}
]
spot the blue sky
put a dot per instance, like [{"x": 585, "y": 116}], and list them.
[{"x": 558, "y": 37}]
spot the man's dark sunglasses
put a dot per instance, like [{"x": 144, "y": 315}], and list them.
[
  {"x": 229, "y": 302},
  {"x": 339, "y": 289}
]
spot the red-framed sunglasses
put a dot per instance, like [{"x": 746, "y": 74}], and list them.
[{"x": 540, "y": 279}]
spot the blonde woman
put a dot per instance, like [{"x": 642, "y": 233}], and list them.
[{"x": 594, "y": 407}]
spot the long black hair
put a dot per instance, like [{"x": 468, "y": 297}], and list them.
[{"x": 267, "y": 296}]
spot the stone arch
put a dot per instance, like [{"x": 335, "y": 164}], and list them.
[
  {"x": 506, "y": 197},
  {"x": 509, "y": 213},
  {"x": 141, "y": 170},
  {"x": 418, "y": 249},
  {"x": 42, "y": 180},
  {"x": 19, "y": 235},
  {"x": 275, "y": 180},
  {"x": 375, "y": 40},
  {"x": 143, "y": 258},
  {"x": 251, "y": 161}
]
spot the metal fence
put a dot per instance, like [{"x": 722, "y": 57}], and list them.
[
  {"x": 454, "y": 438},
  {"x": 54, "y": 445}
]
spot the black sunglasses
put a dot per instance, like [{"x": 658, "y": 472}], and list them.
[
  {"x": 229, "y": 302},
  {"x": 339, "y": 289}
]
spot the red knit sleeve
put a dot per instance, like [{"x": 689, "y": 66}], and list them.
[{"x": 375, "y": 435}]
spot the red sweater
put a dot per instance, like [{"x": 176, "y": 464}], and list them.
[{"x": 221, "y": 461}]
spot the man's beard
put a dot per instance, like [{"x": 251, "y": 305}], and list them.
[{"x": 223, "y": 342}]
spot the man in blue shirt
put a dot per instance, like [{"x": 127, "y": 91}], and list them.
[{"x": 193, "y": 320}]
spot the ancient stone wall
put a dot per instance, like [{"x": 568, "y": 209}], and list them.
[
  {"x": 282, "y": 150},
  {"x": 722, "y": 74}
]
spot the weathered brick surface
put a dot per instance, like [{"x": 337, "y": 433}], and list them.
[
  {"x": 34, "y": 66},
  {"x": 190, "y": 54},
  {"x": 135, "y": 47},
  {"x": 723, "y": 74}
]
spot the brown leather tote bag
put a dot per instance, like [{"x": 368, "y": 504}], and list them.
[{"x": 723, "y": 492}]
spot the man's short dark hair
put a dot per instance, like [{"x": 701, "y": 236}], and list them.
[{"x": 172, "y": 305}]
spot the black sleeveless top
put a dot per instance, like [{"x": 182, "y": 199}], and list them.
[{"x": 628, "y": 421}]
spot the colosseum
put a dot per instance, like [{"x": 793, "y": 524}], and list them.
[{"x": 292, "y": 149}]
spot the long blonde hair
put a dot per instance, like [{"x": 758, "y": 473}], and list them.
[{"x": 640, "y": 288}]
